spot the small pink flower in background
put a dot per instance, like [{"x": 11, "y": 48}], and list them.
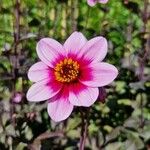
[
  {"x": 69, "y": 75},
  {"x": 93, "y": 2},
  {"x": 17, "y": 97}
]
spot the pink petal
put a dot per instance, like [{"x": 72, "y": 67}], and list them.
[
  {"x": 92, "y": 2},
  {"x": 39, "y": 71},
  {"x": 60, "y": 108},
  {"x": 43, "y": 90},
  {"x": 103, "y": 1},
  {"x": 94, "y": 50},
  {"x": 98, "y": 75},
  {"x": 81, "y": 95},
  {"x": 74, "y": 43},
  {"x": 49, "y": 51}
]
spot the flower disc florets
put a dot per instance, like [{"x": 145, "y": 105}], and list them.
[{"x": 67, "y": 70}]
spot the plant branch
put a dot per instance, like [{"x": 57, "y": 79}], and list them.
[
  {"x": 84, "y": 129},
  {"x": 146, "y": 53}
]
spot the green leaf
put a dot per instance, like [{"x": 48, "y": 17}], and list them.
[
  {"x": 21, "y": 146},
  {"x": 115, "y": 146}
]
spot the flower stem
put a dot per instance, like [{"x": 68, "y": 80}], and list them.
[{"x": 84, "y": 130}]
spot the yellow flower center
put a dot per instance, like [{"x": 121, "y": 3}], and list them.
[{"x": 67, "y": 70}]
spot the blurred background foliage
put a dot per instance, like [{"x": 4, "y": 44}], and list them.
[{"x": 119, "y": 121}]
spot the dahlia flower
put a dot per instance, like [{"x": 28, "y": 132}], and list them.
[
  {"x": 93, "y": 2},
  {"x": 69, "y": 75}
]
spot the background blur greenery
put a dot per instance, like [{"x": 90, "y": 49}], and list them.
[{"x": 122, "y": 122}]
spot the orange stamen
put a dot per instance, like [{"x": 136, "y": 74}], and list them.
[{"x": 67, "y": 70}]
